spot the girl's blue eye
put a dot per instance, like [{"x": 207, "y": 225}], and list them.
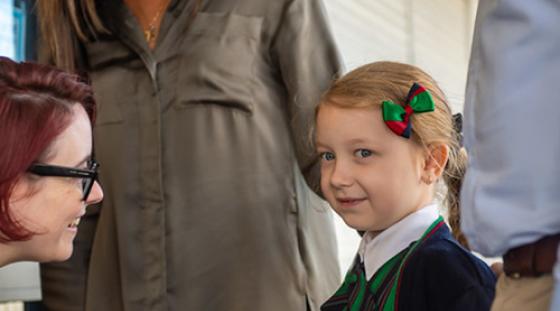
[
  {"x": 327, "y": 156},
  {"x": 363, "y": 153}
]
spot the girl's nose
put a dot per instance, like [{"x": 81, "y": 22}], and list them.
[
  {"x": 96, "y": 194},
  {"x": 341, "y": 176}
]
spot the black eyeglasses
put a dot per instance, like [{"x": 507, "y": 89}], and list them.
[{"x": 88, "y": 175}]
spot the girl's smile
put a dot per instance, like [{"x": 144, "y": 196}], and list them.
[{"x": 346, "y": 202}]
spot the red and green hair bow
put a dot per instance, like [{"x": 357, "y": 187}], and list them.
[{"x": 397, "y": 117}]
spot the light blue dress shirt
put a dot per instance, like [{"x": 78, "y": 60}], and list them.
[{"x": 511, "y": 192}]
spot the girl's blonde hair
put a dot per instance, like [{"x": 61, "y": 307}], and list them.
[{"x": 374, "y": 83}]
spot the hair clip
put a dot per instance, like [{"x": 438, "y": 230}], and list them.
[{"x": 397, "y": 117}]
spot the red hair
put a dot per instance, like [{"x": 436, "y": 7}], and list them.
[{"x": 35, "y": 107}]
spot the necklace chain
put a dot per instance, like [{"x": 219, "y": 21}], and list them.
[{"x": 151, "y": 32}]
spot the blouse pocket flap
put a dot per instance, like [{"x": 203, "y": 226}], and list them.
[{"x": 231, "y": 25}]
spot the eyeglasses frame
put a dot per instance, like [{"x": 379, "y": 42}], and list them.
[{"x": 89, "y": 174}]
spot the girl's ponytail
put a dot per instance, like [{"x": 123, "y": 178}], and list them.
[{"x": 453, "y": 178}]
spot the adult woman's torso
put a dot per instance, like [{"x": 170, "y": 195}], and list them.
[{"x": 197, "y": 157}]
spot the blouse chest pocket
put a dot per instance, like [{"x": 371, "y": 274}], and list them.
[{"x": 217, "y": 64}]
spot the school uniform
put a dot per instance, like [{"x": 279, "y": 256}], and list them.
[{"x": 417, "y": 265}]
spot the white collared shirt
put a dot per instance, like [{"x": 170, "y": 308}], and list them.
[{"x": 376, "y": 251}]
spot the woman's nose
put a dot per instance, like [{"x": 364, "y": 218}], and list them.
[{"x": 96, "y": 194}]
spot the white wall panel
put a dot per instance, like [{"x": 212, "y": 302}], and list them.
[
  {"x": 432, "y": 34},
  {"x": 368, "y": 30}
]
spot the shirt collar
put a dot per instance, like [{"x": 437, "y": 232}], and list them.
[{"x": 375, "y": 251}]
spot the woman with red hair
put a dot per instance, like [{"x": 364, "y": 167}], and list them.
[{"x": 47, "y": 172}]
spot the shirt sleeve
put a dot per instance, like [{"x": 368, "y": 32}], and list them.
[
  {"x": 308, "y": 61},
  {"x": 510, "y": 193}
]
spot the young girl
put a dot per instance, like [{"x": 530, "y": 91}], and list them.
[{"x": 386, "y": 135}]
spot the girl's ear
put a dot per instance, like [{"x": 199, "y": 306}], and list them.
[{"x": 435, "y": 161}]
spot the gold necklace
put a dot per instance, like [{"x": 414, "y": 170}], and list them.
[{"x": 151, "y": 32}]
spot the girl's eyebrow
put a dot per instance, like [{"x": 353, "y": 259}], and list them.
[
  {"x": 369, "y": 140},
  {"x": 357, "y": 141},
  {"x": 319, "y": 144},
  {"x": 353, "y": 141}
]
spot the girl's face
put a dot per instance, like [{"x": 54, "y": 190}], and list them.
[
  {"x": 52, "y": 206},
  {"x": 369, "y": 175}
]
